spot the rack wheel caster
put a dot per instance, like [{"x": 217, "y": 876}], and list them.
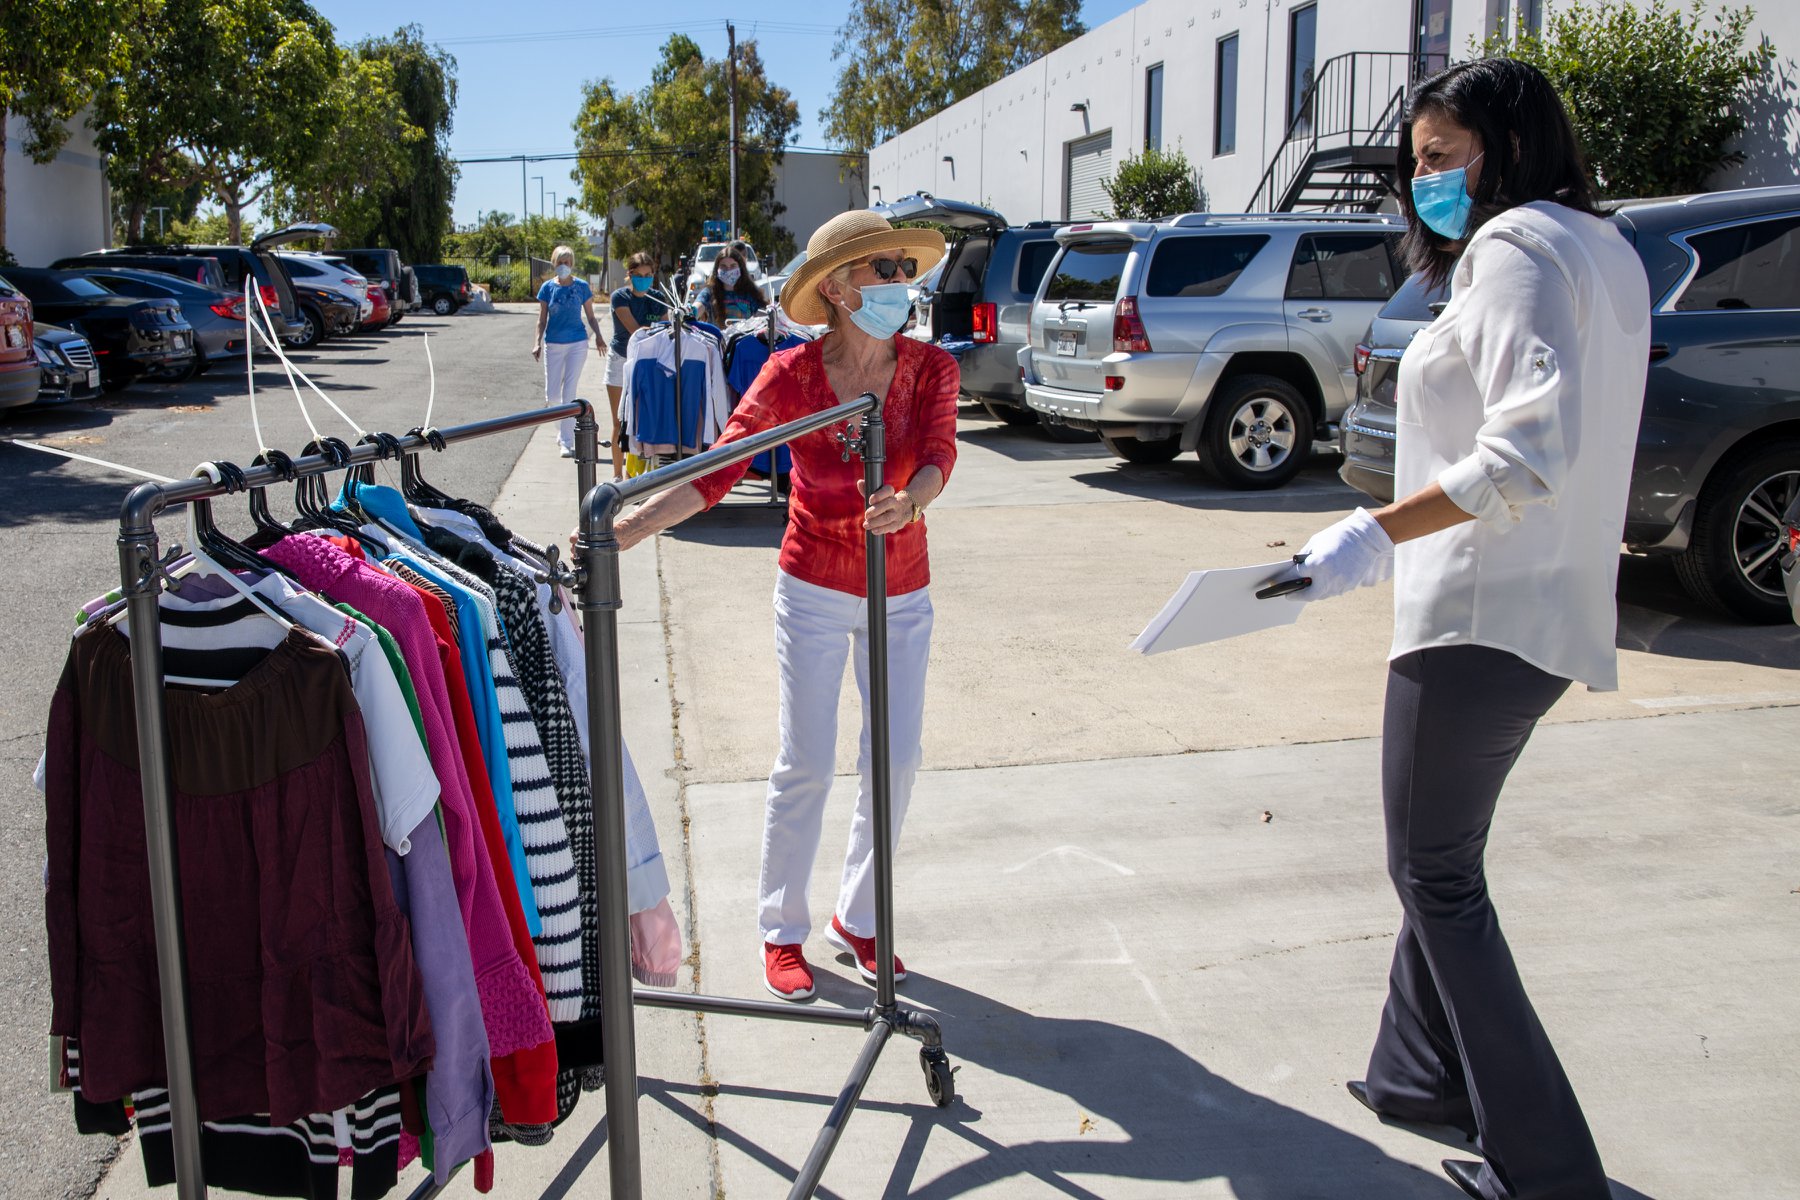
[{"x": 940, "y": 1083}]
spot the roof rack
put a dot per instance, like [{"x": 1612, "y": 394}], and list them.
[{"x": 1199, "y": 220}]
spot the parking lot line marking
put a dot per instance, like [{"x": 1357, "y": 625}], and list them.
[{"x": 1766, "y": 699}]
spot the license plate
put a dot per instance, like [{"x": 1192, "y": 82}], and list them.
[
  {"x": 181, "y": 341},
  {"x": 93, "y": 378},
  {"x": 1065, "y": 344}
]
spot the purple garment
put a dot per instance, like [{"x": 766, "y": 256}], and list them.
[
  {"x": 512, "y": 1008},
  {"x": 459, "y": 1091}
]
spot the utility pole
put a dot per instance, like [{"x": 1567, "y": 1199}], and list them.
[
  {"x": 731, "y": 72},
  {"x": 540, "y": 183},
  {"x": 524, "y": 203}
]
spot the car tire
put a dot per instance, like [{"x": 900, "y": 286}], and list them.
[
  {"x": 1258, "y": 434},
  {"x": 312, "y": 329},
  {"x": 1739, "y": 515},
  {"x": 1006, "y": 414},
  {"x": 1058, "y": 432},
  {"x": 1140, "y": 450},
  {"x": 443, "y": 306}
]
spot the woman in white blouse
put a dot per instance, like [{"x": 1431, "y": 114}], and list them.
[{"x": 1518, "y": 417}]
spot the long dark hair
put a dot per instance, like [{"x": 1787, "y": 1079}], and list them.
[
  {"x": 745, "y": 290},
  {"x": 1530, "y": 147}
]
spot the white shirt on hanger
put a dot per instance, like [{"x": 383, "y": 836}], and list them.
[{"x": 1522, "y": 401}]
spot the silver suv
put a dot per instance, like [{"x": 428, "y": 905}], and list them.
[{"x": 1232, "y": 336}]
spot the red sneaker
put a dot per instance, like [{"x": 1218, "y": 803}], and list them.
[
  {"x": 785, "y": 972},
  {"x": 862, "y": 950}
]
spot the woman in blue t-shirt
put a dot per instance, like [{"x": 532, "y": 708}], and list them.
[
  {"x": 565, "y": 304},
  {"x": 633, "y": 307}
]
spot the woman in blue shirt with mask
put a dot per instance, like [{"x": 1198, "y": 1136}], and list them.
[
  {"x": 633, "y": 307},
  {"x": 565, "y": 304}
]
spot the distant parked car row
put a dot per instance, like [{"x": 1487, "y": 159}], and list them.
[
  {"x": 100, "y": 321},
  {"x": 1252, "y": 339}
]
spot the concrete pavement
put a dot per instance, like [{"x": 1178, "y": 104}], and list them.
[{"x": 1148, "y": 989}]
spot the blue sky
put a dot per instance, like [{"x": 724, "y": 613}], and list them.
[{"x": 520, "y": 69}]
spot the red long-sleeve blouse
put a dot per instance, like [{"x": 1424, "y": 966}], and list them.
[{"x": 824, "y": 540}]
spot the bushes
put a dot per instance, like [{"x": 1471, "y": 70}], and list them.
[
  {"x": 511, "y": 282},
  {"x": 1153, "y": 185}
]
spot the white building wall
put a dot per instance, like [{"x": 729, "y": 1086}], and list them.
[
  {"x": 1019, "y": 128},
  {"x": 56, "y": 208}
]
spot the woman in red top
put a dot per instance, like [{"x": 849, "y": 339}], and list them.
[{"x": 854, "y": 280}]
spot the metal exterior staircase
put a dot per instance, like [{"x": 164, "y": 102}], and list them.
[{"x": 1341, "y": 148}]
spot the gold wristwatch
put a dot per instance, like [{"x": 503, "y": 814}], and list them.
[{"x": 918, "y": 513}]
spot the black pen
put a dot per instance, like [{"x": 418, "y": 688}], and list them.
[{"x": 1287, "y": 587}]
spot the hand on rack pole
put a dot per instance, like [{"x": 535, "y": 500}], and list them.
[{"x": 888, "y": 511}]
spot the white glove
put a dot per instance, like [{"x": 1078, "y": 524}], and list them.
[{"x": 1355, "y": 552}]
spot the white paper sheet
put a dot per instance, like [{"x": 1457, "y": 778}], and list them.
[{"x": 1211, "y": 606}]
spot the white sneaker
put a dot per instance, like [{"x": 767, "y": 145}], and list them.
[{"x": 568, "y": 452}]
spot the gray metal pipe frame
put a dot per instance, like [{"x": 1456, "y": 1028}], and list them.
[{"x": 141, "y": 579}]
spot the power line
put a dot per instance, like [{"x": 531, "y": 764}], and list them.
[
  {"x": 606, "y": 33},
  {"x": 654, "y": 151}
]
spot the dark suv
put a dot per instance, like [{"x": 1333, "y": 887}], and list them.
[
  {"x": 442, "y": 289},
  {"x": 257, "y": 260},
  {"x": 195, "y": 268},
  {"x": 1718, "y": 458},
  {"x": 381, "y": 265},
  {"x": 981, "y": 307}
]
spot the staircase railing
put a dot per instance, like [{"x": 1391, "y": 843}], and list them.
[{"x": 1355, "y": 99}]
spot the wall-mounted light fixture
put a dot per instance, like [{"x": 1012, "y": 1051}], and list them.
[
  {"x": 950, "y": 159},
  {"x": 877, "y": 190},
  {"x": 1079, "y": 106}
]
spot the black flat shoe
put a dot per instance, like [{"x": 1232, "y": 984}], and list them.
[
  {"x": 1464, "y": 1174},
  {"x": 1360, "y": 1089}
]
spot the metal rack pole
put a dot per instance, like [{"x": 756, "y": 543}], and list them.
[
  {"x": 141, "y": 579},
  {"x": 600, "y": 601}
]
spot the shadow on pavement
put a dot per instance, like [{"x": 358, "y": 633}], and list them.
[
  {"x": 735, "y": 522},
  {"x": 1317, "y": 489},
  {"x": 1025, "y": 444},
  {"x": 1657, "y": 616},
  {"x": 35, "y": 486}
]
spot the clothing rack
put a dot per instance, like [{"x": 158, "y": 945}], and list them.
[
  {"x": 142, "y": 574},
  {"x": 599, "y": 600}
]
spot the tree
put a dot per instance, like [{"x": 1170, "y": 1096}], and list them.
[
  {"x": 54, "y": 54},
  {"x": 664, "y": 150},
  {"x": 238, "y": 87},
  {"x": 414, "y": 206},
  {"x": 1153, "y": 185},
  {"x": 1655, "y": 98},
  {"x": 907, "y": 60}
]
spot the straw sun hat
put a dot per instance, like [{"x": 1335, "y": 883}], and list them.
[{"x": 847, "y": 239}]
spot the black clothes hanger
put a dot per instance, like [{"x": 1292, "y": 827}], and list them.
[
  {"x": 413, "y": 485},
  {"x": 223, "y": 549},
  {"x": 312, "y": 497}
]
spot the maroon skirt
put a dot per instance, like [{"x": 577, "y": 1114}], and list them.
[{"x": 302, "y": 990}]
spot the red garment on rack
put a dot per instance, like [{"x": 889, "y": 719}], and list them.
[{"x": 824, "y": 540}]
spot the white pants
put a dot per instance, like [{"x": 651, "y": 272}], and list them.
[
  {"x": 562, "y": 382},
  {"x": 815, "y": 628}
]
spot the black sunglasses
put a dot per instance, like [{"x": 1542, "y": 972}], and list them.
[{"x": 886, "y": 268}]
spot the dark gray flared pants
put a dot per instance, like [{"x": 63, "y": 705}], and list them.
[{"x": 1459, "y": 1042}]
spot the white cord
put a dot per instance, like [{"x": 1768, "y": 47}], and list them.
[
  {"x": 98, "y": 462},
  {"x": 431, "y": 398},
  {"x": 267, "y": 329},
  {"x": 296, "y": 371},
  {"x": 250, "y": 363}
]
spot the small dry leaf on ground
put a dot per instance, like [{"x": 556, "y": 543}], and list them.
[
  {"x": 1087, "y": 1124},
  {"x": 1275, "y": 543},
  {"x": 1267, "y": 816}
]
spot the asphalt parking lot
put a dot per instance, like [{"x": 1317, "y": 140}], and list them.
[{"x": 1145, "y": 896}]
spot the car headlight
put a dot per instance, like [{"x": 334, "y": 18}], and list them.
[{"x": 45, "y": 359}]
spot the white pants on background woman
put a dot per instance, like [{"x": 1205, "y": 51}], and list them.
[
  {"x": 562, "y": 382},
  {"x": 815, "y": 631}
]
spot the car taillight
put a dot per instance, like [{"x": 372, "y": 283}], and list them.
[
  {"x": 231, "y": 310},
  {"x": 463, "y": 288},
  {"x": 987, "y": 320},
  {"x": 1114, "y": 383},
  {"x": 270, "y": 298},
  {"x": 1128, "y": 330},
  {"x": 1360, "y": 358}
]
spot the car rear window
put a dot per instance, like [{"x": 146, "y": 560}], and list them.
[
  {"x": 1201, "y": 266},
  {"x": 80, "y": 286},
  {"x": 1756, "y": 265},
  {"x": 1342, "y": 266},
  {"x": 1034, "y": 260},
  {"x": 1089, "y": 273},
  {"x": 1414, "y": 300}
]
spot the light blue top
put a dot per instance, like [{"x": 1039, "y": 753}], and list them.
[{"x": 565, "y": 301}]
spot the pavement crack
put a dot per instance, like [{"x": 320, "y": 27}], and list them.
[
  {"x": 708, "y": 1087},
  {"x": 1278, "y": 951}
]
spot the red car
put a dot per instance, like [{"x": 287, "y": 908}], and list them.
[
  {"x": 18, "y": 357},
  {"x": 379, "y": 317}
]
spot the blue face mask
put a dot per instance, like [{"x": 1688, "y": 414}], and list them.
[
  {"x": 885, "y": 308},
  {"x": 641, "y": 283},
  {"x": 1443, "y": 201}
]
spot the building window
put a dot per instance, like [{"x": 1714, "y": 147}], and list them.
[
  {"x": 1225, "y": 91},
  {"x": 1303, "y": 40},
  {"x": 1531, "y": 16},
  {"x": 1431, "y": 34},
  {"x": 1153, "y": 88}
]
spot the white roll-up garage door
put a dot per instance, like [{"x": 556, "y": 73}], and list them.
[{"x": 1088, "y": 165}]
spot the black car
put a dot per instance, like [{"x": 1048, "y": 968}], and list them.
[
  {"x": 442, "y": 289},
  {"x": 380, "y": 263},
  {"x": 216, "y": 315},
  {"x": 203, "y": 269},
  {"x": 67, "y": 368},
  {"x": 258, "y": 261},
  {"x": 130, "y": 337},
  {"x": 1718, "y": 457}
]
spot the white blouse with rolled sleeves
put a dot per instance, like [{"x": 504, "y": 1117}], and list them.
[{"x": 1522, "y": 401}]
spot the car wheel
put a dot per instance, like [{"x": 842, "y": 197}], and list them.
[
  {"x": 443, "y": 306},
  {"x": 1139, "y": 450},
  {"x": 1259, "y": 434},
  {"x": 1006, "y": 414},
  {"x": 1733, "y": 561},
  {"x": 1056, "y": 431},
  {"x": 311, "y": 331}
]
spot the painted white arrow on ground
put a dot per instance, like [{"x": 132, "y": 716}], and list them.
[{"x": 1070, "y": 852}]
